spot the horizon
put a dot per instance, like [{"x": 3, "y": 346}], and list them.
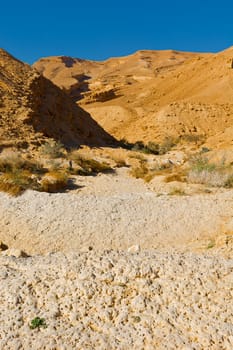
[
  {"x": 112, "y": 57},
  {"x": 101, "y": 31}
]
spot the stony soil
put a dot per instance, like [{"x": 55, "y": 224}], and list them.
[
  {"x": 133, "y": 267},
  {"x": 117, "y": 300}
]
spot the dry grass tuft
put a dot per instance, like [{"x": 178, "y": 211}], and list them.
[
  {"x": 175, "y": 177},
  {"x": 12, "y": 161},
  {"x": 15, "y": 183},
  {"x": 53, "y": 149},
  {"x": 54, "y": 181},
  {"x": 88, "y": 166},
  {"x": 177, "y": 191},
  {"x": 120, "y": 162},
  {"x": 211, "y": 174},
  {"x": 140, "y": 171}
]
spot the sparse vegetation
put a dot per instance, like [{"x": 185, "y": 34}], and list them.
[
  {"x": 54, "y": 181},
  {"x": 193, "y": 138},
  {"x": 16, "y": 182},
  {"x": 211, "y": 244},
  {"x": 88, "y": 166},
  {"x": 177, "y": 191},
  {"x": 138, "y": 156},
  {"x": 120, "y": 162},
  {"x": 175, "y": 177},
  {"x": 53, "y": 149},
  {"x": 199, "y": 163},
  {"x": 168, "y": 143},
  {"x": 205, "y": 150},
  {"x": 12, "y": 161},
  {"x": 229, "y": 182},
  {"x": 203, "y": 171},
  {"x": 140, "y": 171},
  {"x": 38, "y": 322},
  {"x": 151, "y": 147},
  {"x": 54, "y": 165}
]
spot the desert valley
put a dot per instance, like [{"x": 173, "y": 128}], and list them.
[{"x": 116, "y": 201}]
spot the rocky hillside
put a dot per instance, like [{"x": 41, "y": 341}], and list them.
[
  {"x": 32, "y": 109},
  {"x": 153, "y": 94}
]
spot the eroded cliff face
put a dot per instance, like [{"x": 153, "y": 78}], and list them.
[{"x": 32, "y": 108}]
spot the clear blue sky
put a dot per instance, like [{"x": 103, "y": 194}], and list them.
[{"x": 101, "y": 29}]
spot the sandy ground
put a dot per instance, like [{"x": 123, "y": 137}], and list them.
[
  {"x": 113, "y": 212},
  {"x": 133, "y": 267}
]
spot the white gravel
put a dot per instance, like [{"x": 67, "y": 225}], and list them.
[{"x": 42, "y": 222}]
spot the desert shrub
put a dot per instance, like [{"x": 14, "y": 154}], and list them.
[
  {"x": 153, "y": 147},
  {"x": 176, "y": 191},
  {"x": 38, "y": 322},
  {"x": 138, "y": 146},
  {"x": 200, "y": 163},
  {"x": 54, "y": 181},
  {"x": 174, "y": 177},
  {"x": 149, "y": 176},
  {"x": 214, "y": 178},
  {"x": 11, "y": 161},
  {"x": 140, "y": 171},
  {"x": 149, "y": 148},
  {"x": 137, "y": 156},
  {"x": 204, "y": 172},
  {"x": 16, "y": 182},
  {"x": 54, "y": 165},
  {"x": 88, "y": 166},
  {"x": 53, "y": 149},
  {"x": 229, "y": 181},
  {"x": 125, "y": 144},
  {"x": 205, "y": 150},
  {"x": 120, "y": 162},
  {"x": 193, "y": 138},
  {"x": 211, "y": 244},
  {"x": 168, "y": 143}
]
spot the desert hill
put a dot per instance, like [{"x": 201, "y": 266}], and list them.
[
  {"x": 32, "y": 108},
  {"x": 110, "y": 247},
  {"x": 153, "y": 94},
  {"x": 90, "y": 79}
]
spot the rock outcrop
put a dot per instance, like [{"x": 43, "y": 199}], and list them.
[{"x": 32, "y": 109}]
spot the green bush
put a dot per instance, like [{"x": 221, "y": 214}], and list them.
[{"x": 38, "y": 322}]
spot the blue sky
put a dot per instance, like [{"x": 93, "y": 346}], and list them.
[{"x": 101, "y": 29}]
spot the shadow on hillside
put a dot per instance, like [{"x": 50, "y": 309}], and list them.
[{"x": 60, "y": 118}]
